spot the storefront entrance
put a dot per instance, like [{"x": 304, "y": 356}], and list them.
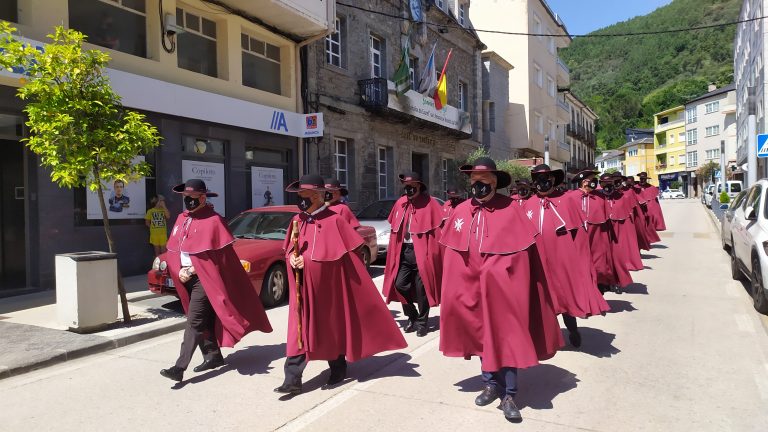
[{"x": 12, "y": 215}]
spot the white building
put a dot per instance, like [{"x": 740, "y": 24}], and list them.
[{"x": 611, "y": 159}]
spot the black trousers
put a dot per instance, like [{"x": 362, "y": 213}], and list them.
[
  {"x": 408, "y": 282},
  {"x": 199, "y": 331},
  {"x": 570, "y": 323},
  {"x": 294, "y": 367}
]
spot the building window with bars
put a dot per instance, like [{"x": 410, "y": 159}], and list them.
[
  {"x": 384, "y": 172},
  {"x": 712, "y": 131},
  {"x": 341, "y": 159},
  {"x": 335, "y": 43},
  {"x": 261, "y": 64},
  {"x": 196, "y": 47},
  {"x": 377, "y": 56}
]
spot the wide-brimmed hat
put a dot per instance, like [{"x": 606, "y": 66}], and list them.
[
  {"x": 307, "y": 182},
  {"x": 411, "y": 176},
  {"x": 544, "y": 169},
  {"x": 484, "y": 164},
  {"x": 583, "y": 175},
  {"x": 333, "y": 184},
  {"x": 453, "y": 192},
  {"x": 194, "y": 186},
  {"x": 607, "y": 177},
  {"x": 642, "y": 175}
]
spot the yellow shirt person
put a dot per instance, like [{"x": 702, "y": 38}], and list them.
[{"x": 156, "y": 220}]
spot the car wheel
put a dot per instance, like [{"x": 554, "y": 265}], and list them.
[
  {"x": 275, "y": 286},
  {"x": 758, "y": 292},
  {"x": 735, "y": 270},
  {"x": 725, "y": 244},
  {"x": 366, "y": 257}
]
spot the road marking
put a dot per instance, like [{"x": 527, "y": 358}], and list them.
[{"x": 744, "y": 323}]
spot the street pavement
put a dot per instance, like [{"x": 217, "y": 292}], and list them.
[{"x": 681, "y": 350}]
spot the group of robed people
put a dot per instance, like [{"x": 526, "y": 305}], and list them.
[{"x": 501, "y": 268}]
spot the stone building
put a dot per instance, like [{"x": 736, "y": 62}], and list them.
[{"x": 371, "y": 134}]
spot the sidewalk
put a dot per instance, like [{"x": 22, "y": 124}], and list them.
[{"x": 31, "y": 339}]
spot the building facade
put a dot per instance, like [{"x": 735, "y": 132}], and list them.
[
  {"x": 580, "y": 134},
  {"x": 610, "y": 160},
  {"x": 639, "y": 156},
  {"x": 710, "y": 122},
  {"x": 495, "y": 105},
  {"x": 669, "y": 146},
  {"x": 537, "y": 116},
  {"x": 222, "y": 85},
  {"x": 372, "y": 134}
]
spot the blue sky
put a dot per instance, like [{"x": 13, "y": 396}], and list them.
[{"x": 584, "y": 16}]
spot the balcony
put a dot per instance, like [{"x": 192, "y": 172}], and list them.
[
  {"x": 563, "y": 111},
  {"x": 670, "y": 125},
  {"x": 302, "y": 18},
  {"x": 373, "y": 94},
  {"x": 563, "y": 74}
]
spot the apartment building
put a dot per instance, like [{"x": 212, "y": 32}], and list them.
[
  {"x": 580, "y": 133},
  {"x": 610, "y": 160},
  {"x": 710, "y": 122},
  {"x": 219, "y": 79},
  {"x": 669, "y": 146},
  {"x": 537, "y": 116},
  {"x": 372, "y": 134},
  {"x": 639, "y": 156},
  {"x": 495, "y": 104}
]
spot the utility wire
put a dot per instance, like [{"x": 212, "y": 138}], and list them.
[{"x": 591, "y": 35}]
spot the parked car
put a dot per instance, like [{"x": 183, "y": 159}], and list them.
[
  {"x": 672, "y": 193},
  {"x": 706, "y": 196},
  {"x": 375, "y": 215},
  {"x": 259, "y": 235},
  {"x": 727, "y": 220},
  {"x": 747, "y": 240},
  {"x": 732, "y": 187}
]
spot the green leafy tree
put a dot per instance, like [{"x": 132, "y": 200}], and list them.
[
  {"x": 611, "y": 171},
  {"x": 78, "y": 127},
  {"x": 513, "y": 168},
  {"x": 706, "y": 172}
]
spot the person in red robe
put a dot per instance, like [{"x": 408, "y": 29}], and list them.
[
  {"x": 643, "y": 220},
  {"x": 495, "y": 301},
  {"x": 622, "y": 249},
  {"x": 454, "y": 199},
  {"x": 627, "y": 237},
  {"x": 651, "y": 195},
  {"x": 522, "y": 193},
  {"x": 216, "y": 293},
  {"x": 628, "y": 188},
  {"x": 414, "y": 266},
  {"x": 335, "y": 312},
  {"x": 333, "y": 197},
  {"x": 564, "y": 249}
]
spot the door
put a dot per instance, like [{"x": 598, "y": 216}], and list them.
[{"x": 12, "y": 216}]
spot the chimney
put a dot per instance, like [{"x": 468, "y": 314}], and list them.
[{"x": 712, "y": 87}]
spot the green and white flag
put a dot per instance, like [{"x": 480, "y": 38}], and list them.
[{"x": 402, "y": 77}]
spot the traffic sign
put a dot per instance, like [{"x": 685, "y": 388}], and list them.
[
  {"x": 762, "y": 146},
  {"x": 717, "y": 174}
]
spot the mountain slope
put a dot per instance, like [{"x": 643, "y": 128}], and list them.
[{"x": 627, "y": 79}]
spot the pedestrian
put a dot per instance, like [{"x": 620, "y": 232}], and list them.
[
  {"x": 333, "y": 194},
  {"x": 651, "y": 195},
  {"x": 626, "y": 237},
  {"x": 628, "y": 189},
  {"x": 454, "y": 199},
  {"x": 524, "y": 192},
  {"x": 563, "y": 246},
  {"x": 413, "y": 271},
  {"x": 617, "y": 213},
  {"x": 335, "y": 312},
  {"x": 495, "y": 301},
  {"x": 156, "y": 220},
  {"x": 216, "y": 293}
]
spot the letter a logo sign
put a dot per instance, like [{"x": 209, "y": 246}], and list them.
[{"x": 278, "y": 121}]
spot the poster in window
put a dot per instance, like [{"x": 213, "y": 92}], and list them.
[
  {"x": 266, "y": 186},
  {"x": 213, "y": 176},
  {"x": 124, "y": 200}
]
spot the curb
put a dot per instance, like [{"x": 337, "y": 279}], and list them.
[{"x": 107, "y": 345}]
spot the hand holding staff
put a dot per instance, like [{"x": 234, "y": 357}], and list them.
[{"x": 297, "y": 266}]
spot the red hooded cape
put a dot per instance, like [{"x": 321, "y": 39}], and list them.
[
  {"x": 624, "y": 249},
  {"x": 594, "y": 208},
  {"x": 564, "y": 250},
  {"x": 643, "y": 241},
  {"x": 426, "y": 216},
  {"x": 495, "y": 301},
  {"x": 342, "y": 312},
  {"x": 656, "y": 217},
  {"x": 205, "y": 237},
  {"x": 344, "y": 211},
  {"x": 643, "y": 220}
]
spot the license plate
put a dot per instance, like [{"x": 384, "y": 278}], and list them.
[{"x": 169, "y": 283}]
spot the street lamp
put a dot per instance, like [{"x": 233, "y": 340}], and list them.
[{"x": 546, "y": 149}]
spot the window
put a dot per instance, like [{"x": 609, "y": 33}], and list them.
[
  {"x": 536, "y": 25},
  {"x": 712, "y": 131},
  {"x": 632, "y": 153},
  {"x": 385, "y": 172},
  {"x": 538, "y": 122},
  {"x": 120, "y": 25},
  {"x": 681, "y": 138},
  {"x": 341, "y": 167},
  {"x": 552, "y": 131},
  {"x": 463, "y": 97},
  {"x": 413, "y": 71},
  {"x": 551, "y": 86},
  {"x": 552, "y": 46},
  {"x": 440, "y": 4},
  {"x": 671, "y": 160},
  {"x": 447, "y": 168},
  {"x": 693, "y": 137},
  {"x": 461, "y": 15},
  {"x": 196, "y": 47},
  {"x": 377, "y": 62},
  {"x": 712, "y": 154},
  {"x": 261, "y": 64},
  {"x": 671, "y": 139},
  {"x": 681, "y": 159},
  {"x": 692, "y": 160},
  {"x": 690, "y": 115},
  {"x": 334, "y": 44},
  {"x": 712, "y": 107},
  {"x": 538, "y": 76},
  {"x": 492, "y": 116},
  {"x": 8, "y": 11}
]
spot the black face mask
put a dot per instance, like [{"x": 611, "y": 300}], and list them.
[
  {"x": 480, "y": 190},
  {"x": 608, "y": 189},
  {"x": 524, "y": 193},
  {"x": 191, "y": 203},
  {"x": 305, "y": 204},
  {"x": 544, "y": 185},
  {"x": 455, "y": 201},
  {"x": 410, "y": 191},
  {"x": 328, "y": 196},
  {"x": 643, "y": 181},
  {"x": 593, "y": 184}
]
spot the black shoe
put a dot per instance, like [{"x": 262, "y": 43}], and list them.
[
  {"x": 511, "y": 412},
  {"x": 575, "y": 338},
  {"x": 422, "y": 331},
  {"x": 211, "y": 363},
  {"x": 616, "y": 289},
  {"x": 490, "y": 393},
  {"x": 410, "y": 327},
  {"x": 292, "y": 389},
  {"x": 336, "y": 377},
  {"x": 174, "y": 373}
]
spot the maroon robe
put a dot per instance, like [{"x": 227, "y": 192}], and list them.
[
  {"x": 209, "y": 244},
  {"x": 642, "y": 220},
  {"x": 345, "y": 212},
  {"x": 426, "y": 217},
  {"x": 564, "y": 250},
  {"x": 624, "y": 250},
  {"x": 342, "y": 311},
  {"x": 447, "y": 210},
  {"x": 594, "y": 208},
  {"x": 495, "y": 301},
  {"x": 655, "y": 216},
  {"x": 640, "y": 232}
]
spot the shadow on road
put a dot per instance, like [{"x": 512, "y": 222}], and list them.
[
  {"x": 252, "y": 360},
  {"x": 644, "y": 256},
  {"x": 658, "y": 246},
  {"x": 433, "y": 324},
  {"x": 620, "y": 306},
  {"x": 595, "y": 342},
  {"x": 635, "y": 288},
  {"x": 540, "y": 385}
]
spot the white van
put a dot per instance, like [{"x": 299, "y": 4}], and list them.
[{"x": 733, "y": 187}]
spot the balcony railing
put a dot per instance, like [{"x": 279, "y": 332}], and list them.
[
  {"x": 563, "y": 66},
  {"x": 373, "y": 93}
]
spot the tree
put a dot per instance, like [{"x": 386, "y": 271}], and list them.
[
  {"x": 706, "y": 172},
  {"x": 79, "y": 128},
  {"x": 513, "y": 168},
  {"x": 611, "y": 171}
]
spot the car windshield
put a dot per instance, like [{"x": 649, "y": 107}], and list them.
[
  {"x": 261, "y": 225},
  {"x": 735, "y": 187},
  {"x": 377, "y": 210}
]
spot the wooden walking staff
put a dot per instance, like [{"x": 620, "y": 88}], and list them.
[{"x": 297, "y": 275}]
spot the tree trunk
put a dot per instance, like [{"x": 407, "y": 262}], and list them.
[{"x": 111, "y": 243}]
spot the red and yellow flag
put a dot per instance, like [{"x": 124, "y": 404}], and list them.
[{"x": 441, "y": 92}]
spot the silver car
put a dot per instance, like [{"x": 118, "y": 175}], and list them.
[{"x": 375, "y": 215}]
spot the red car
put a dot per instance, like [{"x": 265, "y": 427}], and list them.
[{"x": 259, "y": 235}]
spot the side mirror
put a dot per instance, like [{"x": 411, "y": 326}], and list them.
[{"x": 749, "y": 213}]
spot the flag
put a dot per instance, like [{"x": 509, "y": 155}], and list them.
[
  {"x": 402, "y": 77},
  {"x": 416, "y": 13},
  {"x": 441, "y": 92},
  {"x": 428, "y": 81}
]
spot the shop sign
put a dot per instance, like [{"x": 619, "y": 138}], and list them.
[
  {"x": 266, "y": 187},
  {"x": 124, "y": 200},
  {"x": 423, "y": 107}
]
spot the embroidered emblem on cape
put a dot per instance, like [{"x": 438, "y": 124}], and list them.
[
  {"x": 530, "y": 214},
  {"x": 457, "y": 224}
]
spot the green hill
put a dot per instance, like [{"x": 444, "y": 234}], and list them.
[{"x": 628, "y": 79}]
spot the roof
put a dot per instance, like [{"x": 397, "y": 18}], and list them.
[
  {"x": 716, "y": 92},
  {"x": 670, "y": 110},
  {"x": 583, "y": 105},
  {"x": 609, "y": 155},
  {"x": 636, "y": 142},
  {"x": 497, "y": 58},
  {"x": 556, "y": 18}
]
